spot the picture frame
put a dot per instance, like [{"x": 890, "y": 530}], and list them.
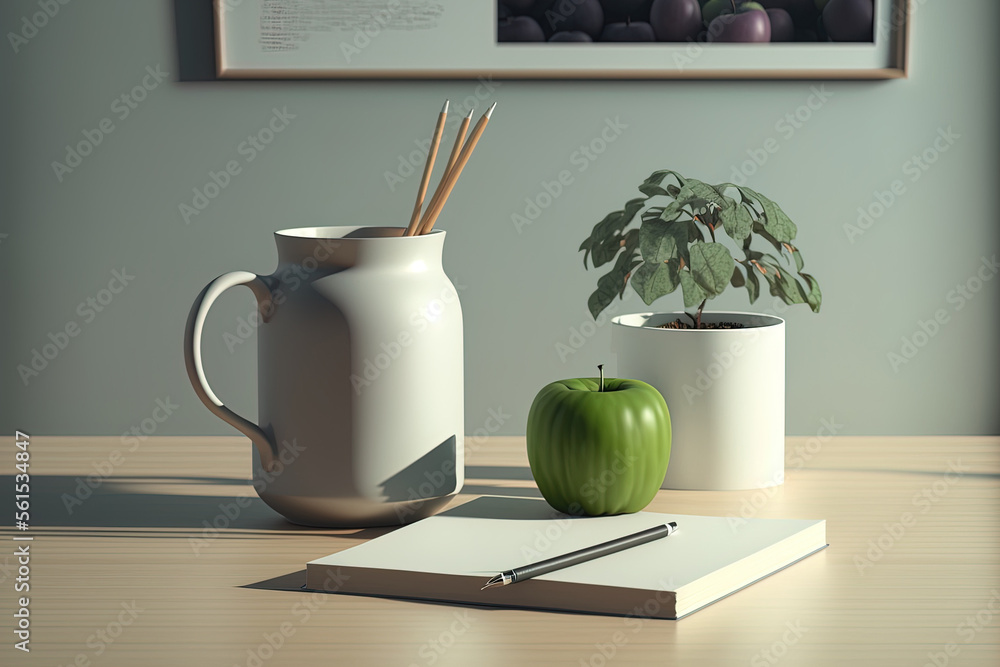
[{"x": 457, "y": 39}]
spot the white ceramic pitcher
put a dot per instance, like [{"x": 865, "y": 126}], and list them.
[{"x": 360, "y": 376}]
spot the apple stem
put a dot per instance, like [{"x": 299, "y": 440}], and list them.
[{"x": 600, "y": 367}]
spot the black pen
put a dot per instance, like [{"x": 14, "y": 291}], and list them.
[{"x": 581, "y": 556}]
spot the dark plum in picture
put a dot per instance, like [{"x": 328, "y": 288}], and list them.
[
  {"x": 568, "y": 36},
  {"x": 519, "y": 6},
  {"x": 629, "y": 31},
  {"x": 782, "y": 28},
  {"x": 502, "y": 11},
  {"x": 849, "y": 20},
  {"x": 803, "y": 12},
  {"x": 749, "y": 24},
  {"x": 519, "y": 29},
  {"x": 569, "y": 15},
  {"x": 675, "y": 20},
  {"x": 623, "y": 11}
]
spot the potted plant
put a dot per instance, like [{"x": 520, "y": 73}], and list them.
[{"x": 721, "y": 374}]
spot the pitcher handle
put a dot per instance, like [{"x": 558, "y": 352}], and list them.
[{"x": 196, "y": 370}]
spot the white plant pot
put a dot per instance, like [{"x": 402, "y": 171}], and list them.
[{"x": 725, "y": 389}]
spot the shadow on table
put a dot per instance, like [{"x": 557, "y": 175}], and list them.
[
  {"x": 514, "y": 473},
  {"x": 61, "y": 501},
  {"x": 90, "y": 504}
]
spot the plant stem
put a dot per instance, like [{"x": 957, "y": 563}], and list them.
[
  {"x": 697, "y": 324},
  {"x": 693, "y": 321},
  {"x": 600, "y": 367}
]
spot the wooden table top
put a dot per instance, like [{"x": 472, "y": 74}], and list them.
[{"x": 126, "y": 568}]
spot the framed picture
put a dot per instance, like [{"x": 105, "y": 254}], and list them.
[{"x": 563, "y": 39}]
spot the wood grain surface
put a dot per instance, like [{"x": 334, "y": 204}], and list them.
[{"x": 165, "y": 556}]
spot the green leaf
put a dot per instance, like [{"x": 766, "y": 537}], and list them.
[
  {"x": 694, "y": 189},
  {"x": 758, "y": 228},
  {"x": 612, "y": 283},
  {"x": 653, "y": 185},
  {"x": 736, "y": 221},
  {"x": 671, "y": 212},
  {"x": 693, "y": 293},
  {"x": 737, "y": 280},
  {"x": 797, "y": 256},
  {"x": 653, "y": 280},
  {"x": 753, "y": 285},
  {"x": 651, "y": 213},
  {"x": 695, "y": 234},
  {"x": 813, "y": 295},
  {"x": 789, "y": 289},
  {"x": 663, "y": 241},
  {"x": 653, "y": 190},
  {"x": 711, "y": 266},
  {"x": 777, "y": 224},
  {"x": 605, "y": 239}
]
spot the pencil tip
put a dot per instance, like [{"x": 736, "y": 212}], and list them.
[
  {"x": 470, "y": 113},
  {"x": 445, "y": 108},
  {"x": 489, "y": 112}
]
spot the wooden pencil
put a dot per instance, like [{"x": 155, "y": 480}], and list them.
[
  {"x": 456, "y": 150},
  {"x": 430, "y": 217},
  {"x": 411, "y": 229}
]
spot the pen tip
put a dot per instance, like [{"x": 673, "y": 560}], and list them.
[{"x": 489, "y": 112}]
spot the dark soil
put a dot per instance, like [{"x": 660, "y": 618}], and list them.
[{"x": 680, "y": 324}]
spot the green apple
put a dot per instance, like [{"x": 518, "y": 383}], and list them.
[
  {"x": 598, "y": 446},
  {"x": 821, "y": 4}
]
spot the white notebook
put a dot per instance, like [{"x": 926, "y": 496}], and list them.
[{"x": 450, "y": 556}]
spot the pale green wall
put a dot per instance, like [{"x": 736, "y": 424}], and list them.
[{"x": 524, "y": 292}]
